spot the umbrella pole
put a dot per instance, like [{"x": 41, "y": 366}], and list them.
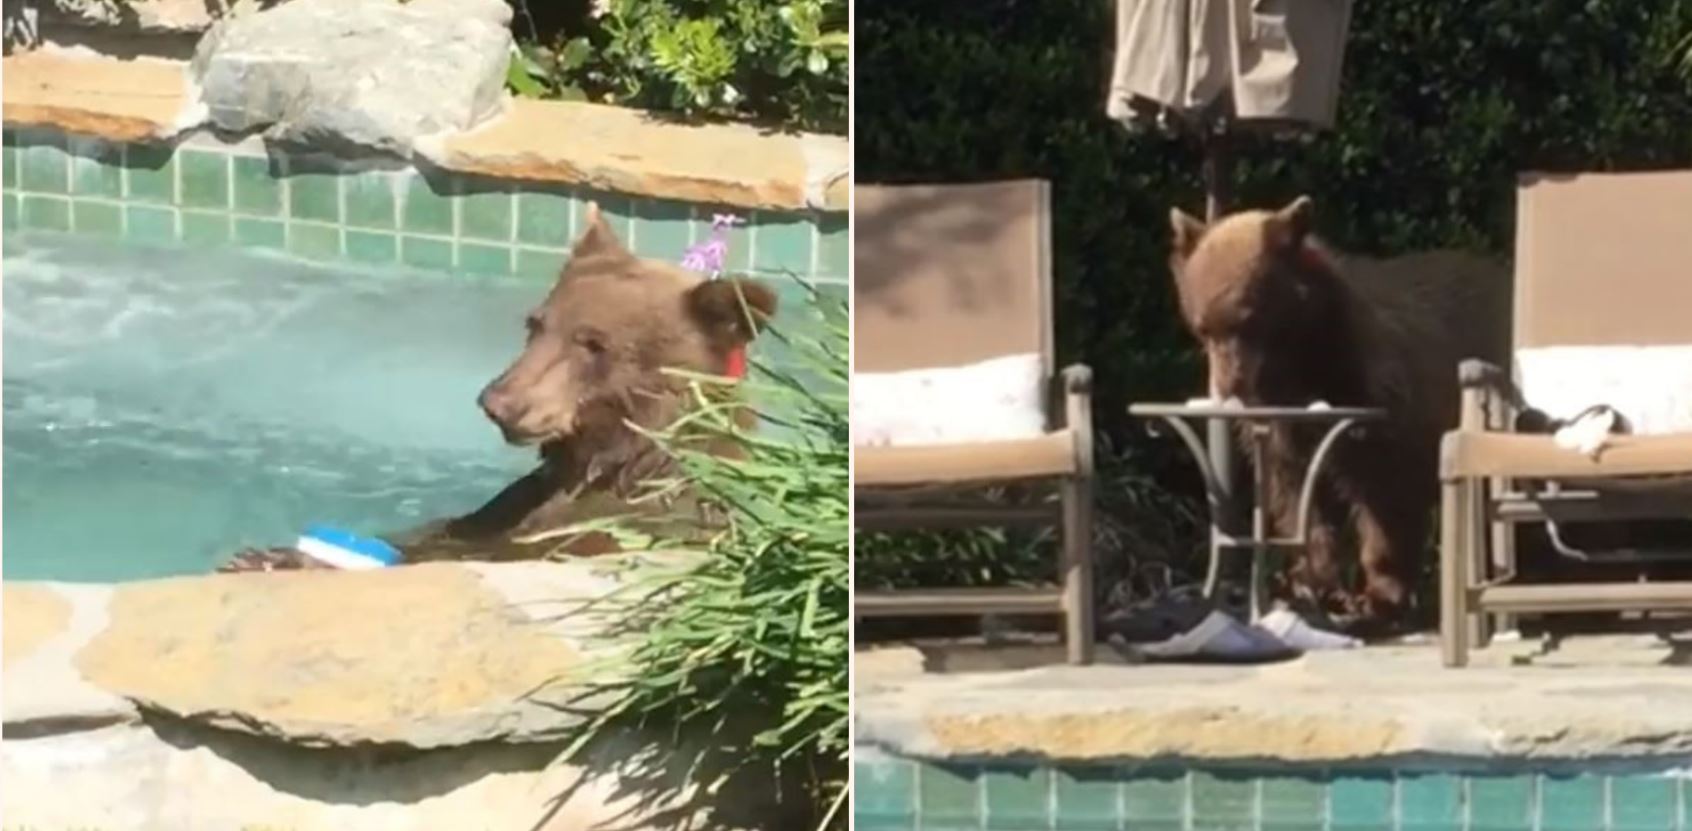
[{"x": 1229, "y": 516}]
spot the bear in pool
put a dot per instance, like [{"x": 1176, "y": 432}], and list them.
[{"x": 595, "y": 362}]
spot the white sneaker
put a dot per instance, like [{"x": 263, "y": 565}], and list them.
[{"x": 1286, "y": 625}]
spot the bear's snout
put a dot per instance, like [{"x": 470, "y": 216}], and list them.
[{"x": 502, "y": 407}]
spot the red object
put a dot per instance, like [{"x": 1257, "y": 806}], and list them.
[{"x": 736, "y": 362}]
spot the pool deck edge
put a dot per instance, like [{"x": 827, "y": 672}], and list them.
[
  {"x": 1390, "y": 703},
  {"x": 588, "y": 145}
]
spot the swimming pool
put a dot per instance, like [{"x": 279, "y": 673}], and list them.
[{"x": 164, "y": 407}]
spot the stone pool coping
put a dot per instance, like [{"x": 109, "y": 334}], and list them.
[
  {"x": 1602, "y": 699},
  {"x": 425, "y": 656},
  {"x": 590, "y": 145}
]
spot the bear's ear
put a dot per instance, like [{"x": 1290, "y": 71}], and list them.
[
  {"x": 734, "y": 310},
  {"x": 1289, "y": 226},
  {"x": 597, "y": 237},
  {"x": 1186, "y": 230}
]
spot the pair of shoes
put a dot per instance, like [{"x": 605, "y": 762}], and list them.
[{"x": 1192, "y": 629}]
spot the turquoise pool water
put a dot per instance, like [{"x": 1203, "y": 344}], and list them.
[{"x": 165, "y": 407}]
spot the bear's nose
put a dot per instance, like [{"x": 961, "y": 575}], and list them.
[{"x": 500, "y": 405}]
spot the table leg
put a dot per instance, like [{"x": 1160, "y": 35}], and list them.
[
  {"x": 1259, "y": 528},
  {"x": 1227, "y": 513}
]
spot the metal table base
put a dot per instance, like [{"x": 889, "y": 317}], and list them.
[{"x": 1222, "y": 500}]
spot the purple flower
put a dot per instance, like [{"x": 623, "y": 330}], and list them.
[{"x": 710, "y": 255}]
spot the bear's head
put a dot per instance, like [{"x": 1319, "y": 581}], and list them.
[
  {"x": 1264, "y": 299},
  {"x": 600, "y": 343}
]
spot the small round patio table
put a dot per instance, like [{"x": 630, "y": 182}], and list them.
[{"x": 1339, "y": 420}]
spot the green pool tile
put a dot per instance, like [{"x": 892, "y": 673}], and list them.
[
  {"x": 151, "y": 171},
  {"x": 428, "y": 206},
  {"x": 783, "y": 244},
  {"x": 1017, "y": 798},
  {"x": 1642, "y": 803},
  {"x": 1431, "y": 802},
  {"x": 370, "y": 200},
  {"x": 97, "y": 170},
  {"x": 661, "y": 229},
  {"x": 9, "y": 160},
  {"x": 314, "y": 196},
  {"x": 44, "y": 168},
  {"x": 539, "y": 264},
  {"x": 834, "y": 247},
  {"x": 485, "y": 214},
  {"x": 1155, "y": 801},
  {"x": 260, "y": 233},
  {"x": 1222, "y": 802},
  {"x": 314, "y": 241},
  {"x": 45, "y": 213},
  {"x": 1501, "y": 803},
  {"x": 152, "y": 225},
  {"x": 949, "y": 796},
  {"x": 99, "y": 218},
  {"x": 1089, "y": 798},
  {"x": 372, "y": 247},
  {"x": 1573, "y": 803},
  {"x": 257, "y": 190},
  {"x": 1360, "y": 803},
  {"x": 796, "y": 303},
  {"x": 9, "y": 211},
  {"x": 1288, "y": 803},
  {"x": 205, "y": 228},
  {"x": 484, "y": 259},
  {"x": 543, "y": 218},
  {"x": 883, "y": 795},
  {"x": 205, "y": 179},
  {"x": 832, "y": 301},
  {"x": 425, "y": 252}
]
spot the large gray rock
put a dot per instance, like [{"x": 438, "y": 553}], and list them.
[{"x": 356, "y": 73}]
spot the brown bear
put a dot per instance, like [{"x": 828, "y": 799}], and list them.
[
  {"x": 595, "y": 367},
  {"x": 1285, "y": 321}
]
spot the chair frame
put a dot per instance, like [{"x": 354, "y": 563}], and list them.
[
  {"x": 1477, "y": 595},
  {"x": 1061, "y": 502}
]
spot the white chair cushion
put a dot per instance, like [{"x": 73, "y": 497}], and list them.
[
  {"x": 1650, "y": 385},
  {"x": 995, "y": 400}
]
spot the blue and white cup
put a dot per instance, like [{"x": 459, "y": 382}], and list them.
[{"x": 345, "y": 550}]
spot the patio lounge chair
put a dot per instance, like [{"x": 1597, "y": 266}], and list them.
[
  {"x": 1603, "y": 316},
  {"x": 953, "y": 373}
]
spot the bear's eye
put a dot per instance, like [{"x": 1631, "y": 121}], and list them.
[
  {"x": 593, "y": 342},
  {"x": 533, "y": 324}
]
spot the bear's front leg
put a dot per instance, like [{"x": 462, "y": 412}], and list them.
[
  {"x": 1391, "y": 536},
  {"x": 1314, "y": 574}
]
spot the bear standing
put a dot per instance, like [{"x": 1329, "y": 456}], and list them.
[{"x": 1286, "y": 322}]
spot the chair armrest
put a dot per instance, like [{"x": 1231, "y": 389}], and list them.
[
  {"x": 1476, "y": 374},
  {"x": 1078, "y": 413},
  {"x": 1490, "y": 399}
]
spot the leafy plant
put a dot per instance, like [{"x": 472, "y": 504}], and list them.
[
  {"x": 756, "y": 631},
  {"x": 777, "y": 61}
]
